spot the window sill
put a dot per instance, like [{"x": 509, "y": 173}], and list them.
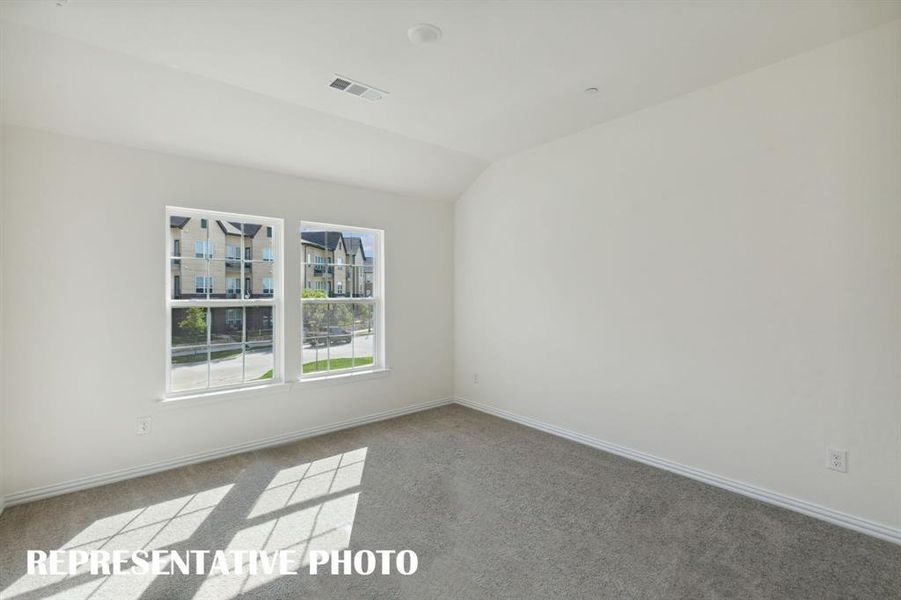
[
  {"x": 174, "y": 401},
  {"x": 344, "y": 377}
]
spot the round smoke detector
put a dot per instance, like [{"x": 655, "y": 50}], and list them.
[{"x": 424, "y": 33}]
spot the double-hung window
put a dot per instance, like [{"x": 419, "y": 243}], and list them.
[
  {"x": 203, "y": 285},
  {"x": 342, "y": 302},
  {"x": 222, "y": 334}
]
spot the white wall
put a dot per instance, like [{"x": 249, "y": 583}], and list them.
[
  {"x": 84, "y": 331},
  {"x": 714, "y": 280}
]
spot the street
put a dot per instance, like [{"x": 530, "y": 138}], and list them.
[
  {"x": 362, "y": 346},
  {"x": 230, "y": 371}
]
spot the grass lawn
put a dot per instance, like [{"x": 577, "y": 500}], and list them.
[
  {"x": 201, "y": 356},
  {"x": 322, "y": 365}
]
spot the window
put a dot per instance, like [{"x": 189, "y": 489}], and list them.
[
  {"x": 267, "y": 254},
  {"x": 233, "y": 317},
  {"x": 221, "y": 335},
  {"x": 203, "y": 249},
  {"x": 342, "y": 314},
  {"x": 176, "y": 248},
  {"x": 203, "y": 284},
  {"x": 233, "y": 287}
]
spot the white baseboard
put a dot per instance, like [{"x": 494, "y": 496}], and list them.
[
  {"x": 82, "y": 483},
  {"x": 835, "y": 517}
]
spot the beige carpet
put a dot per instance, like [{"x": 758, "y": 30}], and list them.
[{"x": 493, "y": 510}]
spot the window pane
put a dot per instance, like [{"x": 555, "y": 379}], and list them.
[
  {"x": 228, "y": 325},
  {"x": 218, "y": 274},
  {"x": 189, "y": 326},
  {"x": 226, "y": 364},
  {"x": 258, "y": 359},
  {"x": 255, "y": 241},
  {"x": 263, "y": 280},
  {"x": 314, "y": 353},
  {"x": 259, "y": 324},
  {"x": 360, "y": 252},
  {"x": 189, "y": 349},
  {"x": 260, "y": 363},
  {"x": 340, "y": 336},
  {"x": 189, "y": 368},
  {"x": 364, "y": 335},
  {"x": 325, "y": 260},
  {"x": 188, "y": 278}
]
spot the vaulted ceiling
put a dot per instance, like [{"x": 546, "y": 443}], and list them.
[{"x": 247, "y": 82}]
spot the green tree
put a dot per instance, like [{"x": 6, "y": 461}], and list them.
[{"x": 194, "y": 324}]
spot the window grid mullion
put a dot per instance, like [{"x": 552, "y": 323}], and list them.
[
  {"x": 330, "y": 265},
  {"x": 209, "y": 354},
  {"x": 207, "y": 301}
]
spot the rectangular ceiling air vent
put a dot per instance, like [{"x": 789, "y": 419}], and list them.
[{"x": 347, "y": 85}]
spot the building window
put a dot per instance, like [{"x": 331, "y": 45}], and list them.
[
  {"x": 203, "y": 285},
  {"x": 233, "y": 287},
  {"x": 267, "y": 254},
  {"x": 233, "y": 318},
  {"x": 176, "y": 247},
  {"x": 342, "y": 317},
  {"x": 203, "y": 249},
  {"x": 222, "y": 336}
]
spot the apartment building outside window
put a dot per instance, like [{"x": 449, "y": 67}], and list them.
[
  {"x": 223, "y": 332},
  {"x": 342, "y": 301}
]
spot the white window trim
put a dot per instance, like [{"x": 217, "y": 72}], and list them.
[
  {"x": 276, "y": 302},
  {"x": 379, "y": 359}
]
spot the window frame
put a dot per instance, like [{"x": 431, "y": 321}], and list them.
[
  {"x": 276, "y": 302},
  {"x": 377, "y": 300}
]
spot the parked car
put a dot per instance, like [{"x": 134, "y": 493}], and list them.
[{"x": 333, "y": 335}]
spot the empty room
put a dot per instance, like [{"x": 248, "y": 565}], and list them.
[{"x": 450, "y": 299}]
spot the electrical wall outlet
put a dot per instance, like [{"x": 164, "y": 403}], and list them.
[
  {"x": 475, "y": 377},
  {"x": 837, "y": 460},
  {"x": 144, "y": 424}
]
